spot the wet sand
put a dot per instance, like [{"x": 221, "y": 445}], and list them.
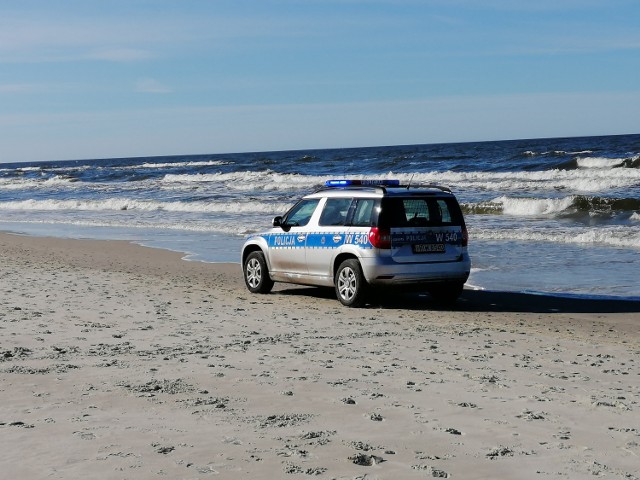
[{"x": 119, "y": 361}]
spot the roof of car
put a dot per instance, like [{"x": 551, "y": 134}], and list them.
[{"x": 381, "y": 190}]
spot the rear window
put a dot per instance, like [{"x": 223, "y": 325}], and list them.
[{"x": 419, "y": 212}]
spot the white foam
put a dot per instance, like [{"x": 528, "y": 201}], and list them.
[
  {"x": 592, "y": 180},
  {"x": 615, "y": 236},
  {"x": 249, "y": 180},
  {"x": 210, "y": 163},
  {"x": 267, "y": 180},
  {"x": 579, "y": 180},
  {"x": 599, "y": 162},
  {"x": 531, "y": 153},
  {"x": 533, "y": 206},
  {"x": 28, "y": 184},
  {"x": 203, "y": 227},
  {"x": 120, "y": 204}
]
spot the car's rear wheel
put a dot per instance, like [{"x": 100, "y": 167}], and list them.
[
  {"x": 351, "y": 286},
  {"x": 256, "y": 273}
]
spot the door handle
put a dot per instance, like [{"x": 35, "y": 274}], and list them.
[{"x": 302, "y": 238}]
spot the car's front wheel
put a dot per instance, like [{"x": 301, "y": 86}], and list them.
[
  {"x": 256, "y": 273},
  {"x": 351, "y": 286}
]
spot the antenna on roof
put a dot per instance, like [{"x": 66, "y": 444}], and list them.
[{"x": 410, "y": 180}]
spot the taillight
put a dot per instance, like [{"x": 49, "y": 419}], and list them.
[
  {"x": 380, "y": 237},
  {"x": 465, "y": 236}
]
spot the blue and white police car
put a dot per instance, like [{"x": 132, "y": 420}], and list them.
[{"x": 356, "y": 235}]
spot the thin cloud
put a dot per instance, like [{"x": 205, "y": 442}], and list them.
[
  {"x": 120, "y": 54},
  {"x": 19, "y": 88},
  {"x": 28, "y": 40},
  {"x": 151, "y": 85}
]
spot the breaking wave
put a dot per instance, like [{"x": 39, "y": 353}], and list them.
[
  {"x": 590, "y": 205},
  {"x": 612, "y": 236},
  {"x": 122, "y": 204},
  {"x": 210, "y": 163},
  {"x": 584, "y": 180}
]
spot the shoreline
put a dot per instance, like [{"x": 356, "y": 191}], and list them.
[
  {"x": 123, "y": 361},
  {"x": 220, "y": 257}
]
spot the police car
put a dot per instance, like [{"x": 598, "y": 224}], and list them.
[{"x": 356, "y": 235}]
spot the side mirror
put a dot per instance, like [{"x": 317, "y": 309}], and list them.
[{"x": 279, "y": 222}]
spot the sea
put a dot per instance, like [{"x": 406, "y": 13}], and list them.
[{"x": 556, "y": 216}]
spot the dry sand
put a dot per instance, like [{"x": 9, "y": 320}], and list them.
[{"x": 118, "y": 361}]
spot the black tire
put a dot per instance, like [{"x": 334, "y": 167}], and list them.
[
  {"x": 446, "y": 294},
  {"x": 256, "y": 273},
  {"x": 351, "y": 286}
]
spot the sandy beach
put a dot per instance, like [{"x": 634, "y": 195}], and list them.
[{"x": 119, "y": 361}]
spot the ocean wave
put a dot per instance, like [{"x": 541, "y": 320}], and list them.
[
  {"x": 581, "y": 180},
  {"x": 22, "y": 183},
  {"x": 522, "y": 206},
  {"x": 613, "y": 236},
  {"x": 590, "y": 174},
  {"x": 627, "y": 236},
  {"x": 553, "y": 153},
  {"x": 210, "y": 163},
  {"x": 249, "y": 180},
  {"x": 588, "y": 180},
  {"x": 121, "y": 204},
  {"x": 210, "y": 226},
  {"x": 599, "y": 162},
  {"x": 632, "y": 162},
  {"x": 20, "y": 170},
  {"x": 534, "y": 206},
  {"x": 67, "y": 169},
  {"x": 578, "y": 161}
]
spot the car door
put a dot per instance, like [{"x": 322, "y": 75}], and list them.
[
  {"x": 327, "y": 237},
  {"x": 287, "y": 243}
]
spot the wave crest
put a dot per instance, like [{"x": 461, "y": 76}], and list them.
[
  {"x": 613, "y": 236},
  {"x": 121, "y": 204},
  {"x": 599, "y": 162},
  {"x": 562, "y": 206}
]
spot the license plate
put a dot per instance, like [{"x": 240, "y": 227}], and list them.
[{"x": 428, "y": 247}]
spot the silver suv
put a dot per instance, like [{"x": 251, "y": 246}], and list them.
[{"x": 355, "y": 235}]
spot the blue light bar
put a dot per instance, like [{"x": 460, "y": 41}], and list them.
[{"x": 371, "y": 183}]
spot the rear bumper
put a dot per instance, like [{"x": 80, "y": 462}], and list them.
[{"x": 385, "y": 271}]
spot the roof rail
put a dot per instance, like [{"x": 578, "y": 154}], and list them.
[{"x": 429, "y": 185}]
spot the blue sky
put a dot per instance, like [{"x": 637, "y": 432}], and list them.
[{"x": 109, "y": 78}]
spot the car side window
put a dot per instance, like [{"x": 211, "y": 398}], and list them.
[
  {"x": 335, "y": 212},
  {"x": 301, "y": 213},
  {"x": 443, "y": 212},
  {"x": 362, "y": 214}
]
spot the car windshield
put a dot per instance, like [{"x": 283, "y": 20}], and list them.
[{"x": 301, "y": 213}]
